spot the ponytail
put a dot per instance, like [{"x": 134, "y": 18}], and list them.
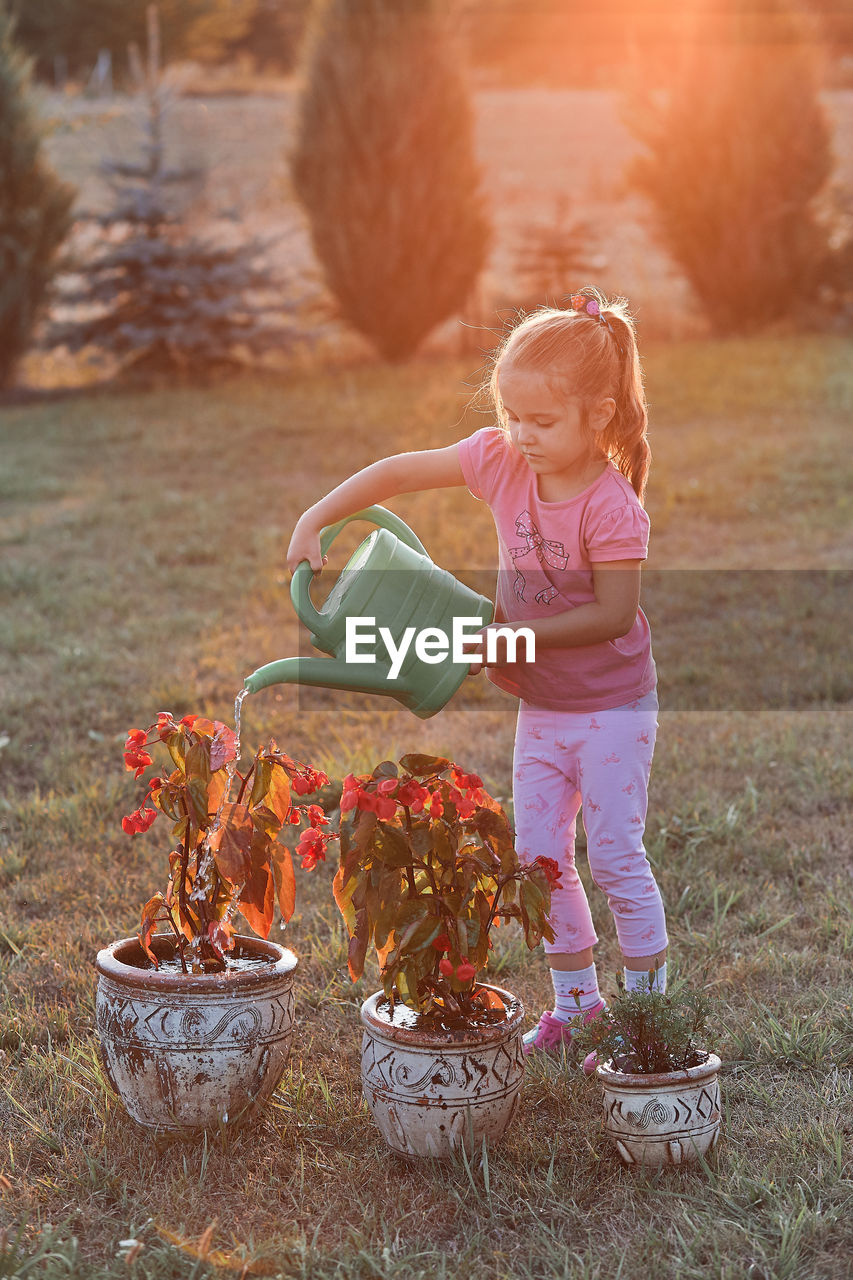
[{"x": 624, "y": 439}]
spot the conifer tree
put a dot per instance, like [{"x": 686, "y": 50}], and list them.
[
  {"x": 384, "y": 166},
  {"x": 160, "y": 299},
  {"x": 35, "y": 208},
  {"x": 736, "y": 151}
]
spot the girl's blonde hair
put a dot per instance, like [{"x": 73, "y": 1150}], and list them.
[{"x": 589, "y": 359}]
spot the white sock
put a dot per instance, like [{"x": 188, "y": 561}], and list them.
[
  {"x": 647, "y": 979},
  {"x": 565, "y": 981}
]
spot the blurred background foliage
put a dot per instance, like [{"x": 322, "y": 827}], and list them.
[
  {"x": 554, "y": 42},
  {"x": 729, "y": 164}
]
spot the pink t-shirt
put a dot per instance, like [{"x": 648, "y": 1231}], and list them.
[{"x": 546, "y": 554}]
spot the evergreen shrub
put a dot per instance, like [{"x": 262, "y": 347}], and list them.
[
  {"x": 35, "y": 208},
  {"x": 384, "y": 165},
  {"x": 737, "y": 151},
  {"x": 159, "y": 298}
]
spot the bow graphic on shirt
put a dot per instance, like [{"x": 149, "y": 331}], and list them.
[{"x": 547, "y": 552}]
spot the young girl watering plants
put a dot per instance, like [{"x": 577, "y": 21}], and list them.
[{"x": 563, "y": 473}]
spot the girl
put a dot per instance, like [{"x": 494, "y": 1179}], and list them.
[{"x": 563, "y": 474}]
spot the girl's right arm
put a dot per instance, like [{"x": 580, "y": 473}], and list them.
[{"x": 402, "y": 473}]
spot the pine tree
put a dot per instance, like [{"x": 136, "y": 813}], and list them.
[
  {"x": 159, "y": 299},
  {"x": 35, "y": 209},
  {"x": 384, "y": 165},
  {"x": 737, "y": 150}
]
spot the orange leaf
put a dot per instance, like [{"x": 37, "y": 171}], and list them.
[
  {"x": 343, "y": 889},
  {"x": 150, "y": 914},
  {"x": 232, "y": 843},
  {"x": 257, "y": 901},
  {"x": 203, "y": 727},
  {"x": 285, "y": 880},
  {"x": 358, "y": 945},
  {"x": 278, "y": 794}
]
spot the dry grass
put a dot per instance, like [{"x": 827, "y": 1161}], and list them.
[{"x": 143, "y": 540}]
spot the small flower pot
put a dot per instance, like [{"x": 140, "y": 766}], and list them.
[
  {"x": 431, "y": 1091},
  {"x": 671, "y": 1118},
  {"x": 186, "y": 1052}
]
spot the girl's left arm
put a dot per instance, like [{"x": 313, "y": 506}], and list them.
[{"x": 610, "y": 615}]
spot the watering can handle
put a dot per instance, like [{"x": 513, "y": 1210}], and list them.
[{"x": 300, "y": 583}]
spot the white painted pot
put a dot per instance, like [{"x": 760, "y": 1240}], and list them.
[
  {"x": 431, "y": 1091},
  {"x": 662, "y": 1119},
  {"x": 186, "y": 1052}
]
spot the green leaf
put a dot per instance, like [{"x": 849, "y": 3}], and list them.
[
  {"x": 385, "y": 769},
  {"x": 197, "y": 801},
  {"x": 198, "y": 762},
  {"x": 532, "y": 913},
  {"x": 392, "y": 898},
  {"x": 404, "y": 932},
  {"x": 420, "y": 838},
  {"x": 487, "y": 822},
  {"x": 442, "y": 842},
  {"x": 391, "y": 846}
]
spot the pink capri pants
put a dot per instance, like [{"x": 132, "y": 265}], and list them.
[{"x": 601, "y": 761}]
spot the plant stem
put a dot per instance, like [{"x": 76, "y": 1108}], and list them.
[
  {"x": 498, "y": 893},
  {"x": 181, "y": 942},
  {"x": 410, "y": 871},
  {"x": 245, "y": 783},
  {"x": 185, "y": 862}
]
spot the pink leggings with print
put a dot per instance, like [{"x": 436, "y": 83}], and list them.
[{"x": 601, "y": 761}]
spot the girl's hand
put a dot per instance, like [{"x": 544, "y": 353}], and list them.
[
  {"x": 305, "y": 545},
  {"x": 501, "y": 658}
]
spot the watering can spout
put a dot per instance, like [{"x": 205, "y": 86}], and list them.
[
  {"x": 390, "y": 579},
  {"x": 323, "y": 673}
]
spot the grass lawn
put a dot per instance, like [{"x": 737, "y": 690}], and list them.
[{"x": 143, "y": 568}]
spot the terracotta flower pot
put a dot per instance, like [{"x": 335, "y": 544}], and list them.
[
  {"x": 186, "y": 1052},
  {"x": 430, "y": 1091},
  {"x": 662, "y": 1119}
]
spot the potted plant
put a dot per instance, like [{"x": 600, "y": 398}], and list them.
[
  {"x": 428, "y": 869},
  {"x": 195, "y": 1022},
  {"x": 661, "y": 1093}
]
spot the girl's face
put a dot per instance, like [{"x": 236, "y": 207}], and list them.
[{"x": 548, "y": 430}]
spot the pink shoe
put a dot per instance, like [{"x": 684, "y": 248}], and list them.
[{"x": 550, "y": 1034}]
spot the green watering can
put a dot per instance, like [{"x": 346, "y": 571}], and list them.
[{"x": 390, "y": 602}]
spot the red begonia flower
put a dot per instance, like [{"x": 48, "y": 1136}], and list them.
[
  {"x": 349, "y": 799},
  {"x": 551, "y": 868}
]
